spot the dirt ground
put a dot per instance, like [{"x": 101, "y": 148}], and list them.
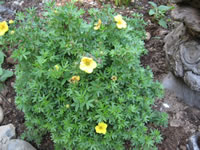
[{"x": 183, "y": 120}]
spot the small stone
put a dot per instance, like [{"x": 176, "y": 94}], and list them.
[
  {"x": 9, "y": 100},
  {"x": 19, "y": 145},
  {"x": 7, "y": 132},
  {"x": 148, "y": 36},
  {"x": 12, "y": 84},
  {"x": 182, "y": 147},
  {"x": 1, "y": 115}
]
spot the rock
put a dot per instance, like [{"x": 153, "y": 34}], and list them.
[
  {"x": 19, "y": 145},
  {"x": 7, "y": 132},
  {"x": 171, "y": 48},
  {"x": 193, "y": 3},
  {"x": 12, "y": 84},
  {"x": 193, "y": 142},
  {"x": 181, "y": 90},
  {"x": 1, "y": 115},
  {"x": 188, "y": 15},
  {"x": 2, "y": 9},
  {"x": 192, "y": 80},
  {"x": 148, "y": 36},
  {"x": 190, "y": 56},
  {"x": 182, "y": 147}
]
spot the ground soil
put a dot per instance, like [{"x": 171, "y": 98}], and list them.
[{"x": 183, "y": 119}]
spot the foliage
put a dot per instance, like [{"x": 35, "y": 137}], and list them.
[
  {"x": 159, "y": 13},
  {"x": 4, "y": 74},
  {"x": 85, "y": 107}
]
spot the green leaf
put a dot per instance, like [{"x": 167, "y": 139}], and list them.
[
  {"x": 6, "y": 74},
  {"x": 1, "y": 57},
  {"x": 164, "y": 8},
  {"x": 151, "y": 12},
  {"x": 163, "y": 23},
  {"x": 1, "y": 71},
  {"x": 153, "y": 4}
]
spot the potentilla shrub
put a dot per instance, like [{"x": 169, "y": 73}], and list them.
[{"x": 81, "y": 80}]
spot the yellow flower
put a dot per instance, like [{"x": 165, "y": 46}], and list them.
[
  {"x": 87, "y": 64},
  {"x": 97, "y": 25},
  {"x": 74, "y": 79},
  {"x": 3, "y": 28},
  {"x": 114, "y": 78},
  {"x": 11, "y": 21},
  {"x": 12, "y": 32},
  {"x": 120, "y": 22},
  {"x": 57, "y": 67},
  {"x": 67, "y": 106},
  {"x": 101, "y": 128}
]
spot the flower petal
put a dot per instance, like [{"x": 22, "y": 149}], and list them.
[{"x": 118, "y": 18}]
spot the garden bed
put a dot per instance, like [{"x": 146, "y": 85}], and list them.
[{"x": 183, "y": 120}]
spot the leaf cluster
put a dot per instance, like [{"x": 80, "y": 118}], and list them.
[
  {"x": 4, "y": 74},
  {"x": 62, "y": 37},
  {"x": 158, "y": 12}
]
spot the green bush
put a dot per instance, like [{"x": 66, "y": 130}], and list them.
[{"x": 81, "y": 79}]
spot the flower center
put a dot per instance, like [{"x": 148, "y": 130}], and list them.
[
  {"x": 87, "y": 63},
  {"x": 100, "y": 127},
  {"x": 119, "y": 22}
]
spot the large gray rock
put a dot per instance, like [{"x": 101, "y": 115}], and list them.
[
  {"x": 19, "y": 145},
  {"x": 181, "y": 90},
  {"x": 171, "y": 47},
  {"x": 7, "y": 132},
  {"x": 189, "y": 16},
  {"x": 1, "y": 115},
  {"x": 183, "y": 56},
  {"x": 193, "y": 3}
]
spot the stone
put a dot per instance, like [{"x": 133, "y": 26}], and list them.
[
  {"x": 171, "y": 48},
  {"x": 193, "y": 142},
  {"x": 2, "y": 9},
  {"x": 181, "y": 90},
  {"x": 190, "y": 56},
  {"x": 193, "y": 3},
  {"x": 1, "y": 115},
  {"x": 148, "y": 36},
  {"x": 192, "y": 80},
  {"x": 188, "y": 15},
  {"x": 7, "y": 132},
  {"x": 17, "y": 144},
  {"x": 182, "y": 147},
  {"x": 5, "y": 10}
]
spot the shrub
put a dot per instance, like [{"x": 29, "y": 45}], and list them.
[{"x": 82, "y": 81}]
